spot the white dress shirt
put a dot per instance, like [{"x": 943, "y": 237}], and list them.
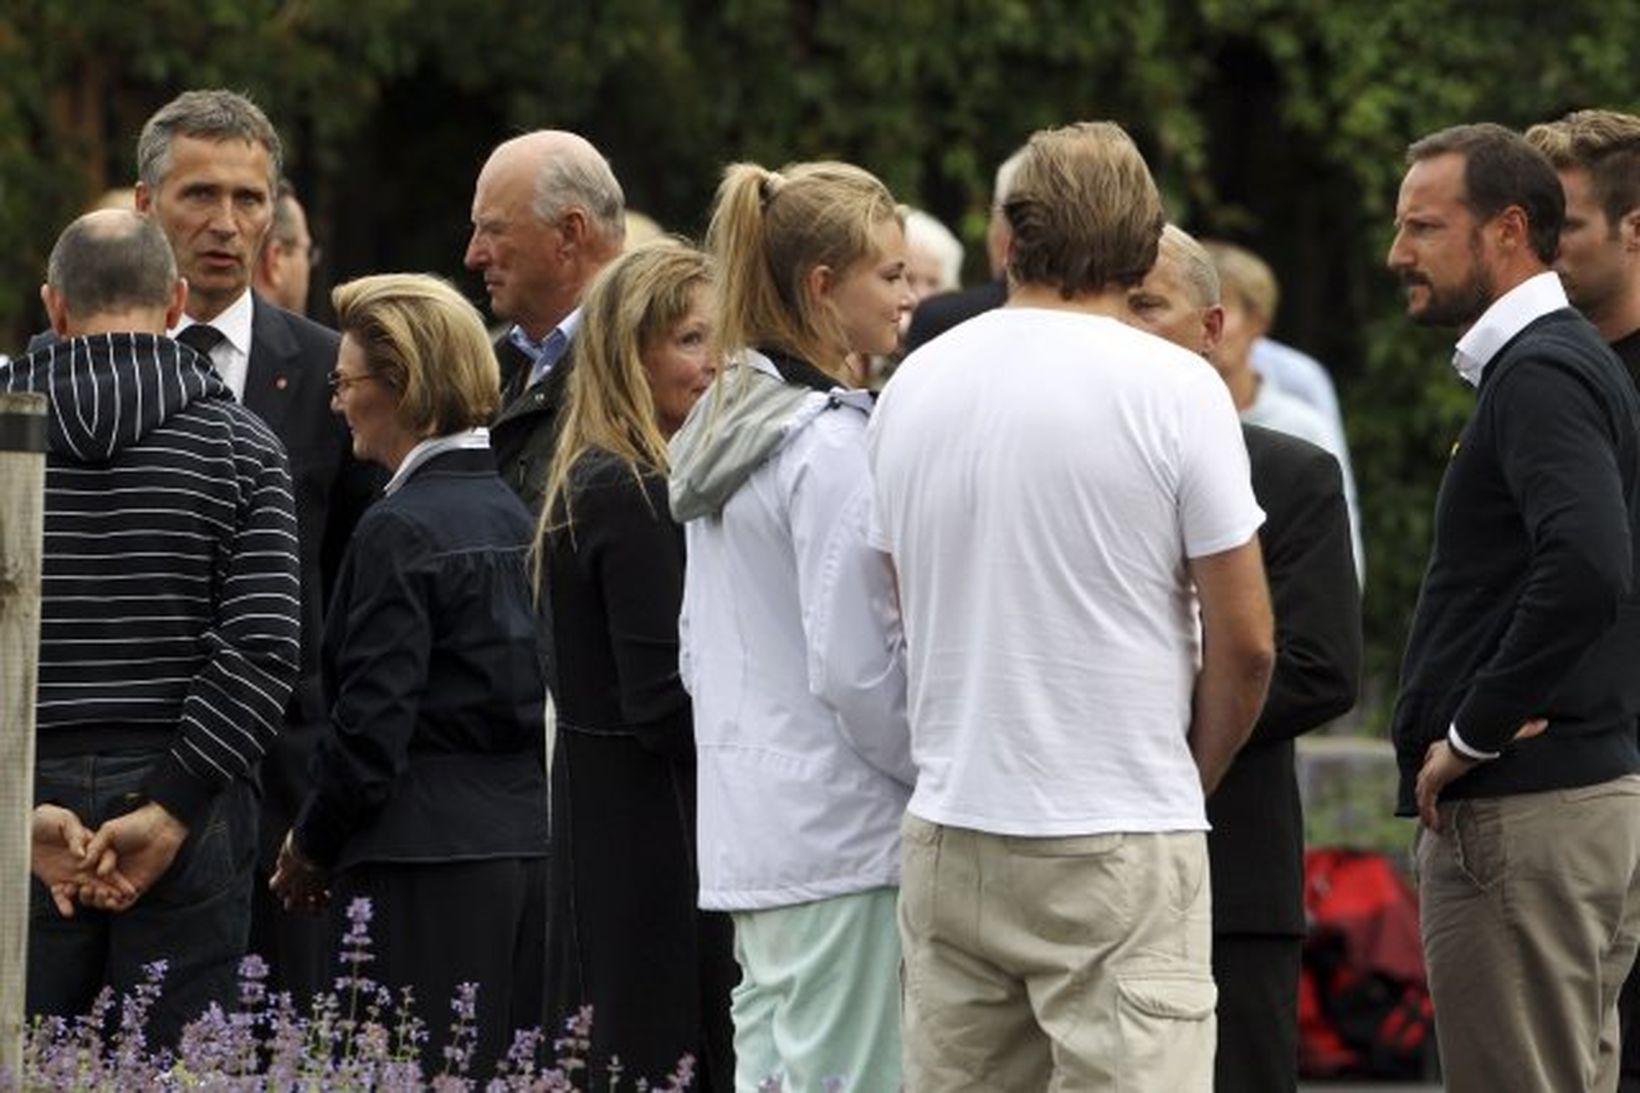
[{"x": 232, "y": 356}]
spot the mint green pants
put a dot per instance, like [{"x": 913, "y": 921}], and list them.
[{"x": 819, "y": 995}]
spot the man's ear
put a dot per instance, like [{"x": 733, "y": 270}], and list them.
[
  {"x": 270, "y": 262},
  {"x": 144, "y": 197},
  {"x": 179, "y": 298},
  {"x": 56, "y": 310},
  {"x": 1513, "y": 229},
  {"x": 574, "y": 228},
  {"x": 1628, "y": 229},
  {"x": 1212, "y": 330}
]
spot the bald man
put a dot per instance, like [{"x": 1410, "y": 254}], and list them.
[
  {"x": 169, "y": 634},
  {"x": 548, "y": 214},
  {"x": 1257, "y": 843}
]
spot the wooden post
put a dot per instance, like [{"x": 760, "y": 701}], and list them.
[{"x": 22, "y": 502}]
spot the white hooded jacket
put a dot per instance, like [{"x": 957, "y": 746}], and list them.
[{"x": 790, "y": 642}]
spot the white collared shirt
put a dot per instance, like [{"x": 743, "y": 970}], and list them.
[
  {"x": 1509, "y": 314},
  {"x": 467, "y": 439},
  {"x": 232, "y": 356}
]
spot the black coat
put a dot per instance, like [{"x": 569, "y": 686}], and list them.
[
  {"x": 937, "y": 314},
  {"x": 1257, "y": 843},
  {"x": 526, "y": 430}
]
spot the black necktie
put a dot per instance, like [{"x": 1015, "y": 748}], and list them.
[{"x": 202, "y": 338}]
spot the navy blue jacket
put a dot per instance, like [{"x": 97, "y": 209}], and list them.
[{"x": 435, "y": 749}]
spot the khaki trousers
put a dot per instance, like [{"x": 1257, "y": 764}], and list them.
[
  {"x": 1530, "y": 909},
  {"x": 1080, "y": 963}
]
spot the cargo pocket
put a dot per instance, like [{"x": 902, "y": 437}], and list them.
[{"x": 1167, "y": 1032}]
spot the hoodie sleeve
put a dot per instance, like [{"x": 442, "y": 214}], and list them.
[
  {"x": 856, "y": 649},
  {"x": 235, "y": 703}
]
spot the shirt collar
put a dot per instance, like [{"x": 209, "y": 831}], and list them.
[
  {"x": 545, "y": 353},
  {"x": 234, "y": 323},
  {"x": 1509, "y": 315},
  {"x": 467, "y": 439}
]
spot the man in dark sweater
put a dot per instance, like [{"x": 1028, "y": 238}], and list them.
[
  {"x": 1515, "y": 726},
  {"x": 1597, "y": 153},
  {"x": 169, "y": 621}
]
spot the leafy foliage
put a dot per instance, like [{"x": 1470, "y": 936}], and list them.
[{"x": 1277, "y": 122}]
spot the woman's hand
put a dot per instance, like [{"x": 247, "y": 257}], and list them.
[{"x": 297, "y": 881}]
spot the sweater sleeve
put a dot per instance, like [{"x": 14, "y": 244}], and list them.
[
  {"x": 1559, "y": 462},
  {"x": 630, "y": 550},
  {"x": 378, "y": 660},
  {"x": 235, "y": 703}
]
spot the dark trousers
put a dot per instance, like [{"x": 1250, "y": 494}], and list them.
[
  {"x": 626, "y": 934},
  {"x": 295, "y": 946},
  {"x": 1257, "y": 976},
  {"x": 195, "y": 917},
  {"x": 435, "y": 926}
]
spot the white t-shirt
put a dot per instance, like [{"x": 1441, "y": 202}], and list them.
[{"x": 1041, "y": 478}]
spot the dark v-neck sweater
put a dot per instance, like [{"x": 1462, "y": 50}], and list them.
[{"x": 1528, "y": 606}]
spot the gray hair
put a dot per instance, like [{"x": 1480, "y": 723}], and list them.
[
  {"x": 582, "y": 181},
  {"x": 110, "y": 261},
  {"x": 1200, "y": 274},
  {"x": 215, "y": 115},
  {"x": 1003, "y": 188},
  {"x": 924, "y": 232},
  {"x": 284, "y": 214}
]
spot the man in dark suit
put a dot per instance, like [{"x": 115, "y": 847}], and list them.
[
  {"x": 1256, "y": 846},
  {"x": 937, "y": 314},
  {"x": 208, "y": 165},
  {"x": 548, "y": 214}
]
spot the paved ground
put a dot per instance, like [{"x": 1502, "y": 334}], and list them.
[{"x": 1370, "y": 1087}]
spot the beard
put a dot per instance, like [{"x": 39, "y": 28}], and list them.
[{"x": 1459, "y": 304}]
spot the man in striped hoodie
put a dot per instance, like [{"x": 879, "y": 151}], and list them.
[{"x": 168, "y": 636}]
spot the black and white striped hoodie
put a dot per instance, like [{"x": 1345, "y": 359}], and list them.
[{"x": 170, "y": 607}]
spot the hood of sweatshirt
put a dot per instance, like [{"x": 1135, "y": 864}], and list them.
[
  {"x": 108, "y": 391},
  {"x": 757, "y": 404}
]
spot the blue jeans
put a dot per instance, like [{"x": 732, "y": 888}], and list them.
[{"x": 195, "y": 917}]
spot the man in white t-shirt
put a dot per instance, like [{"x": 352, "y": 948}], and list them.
[{"x": 1063, "y": 496}]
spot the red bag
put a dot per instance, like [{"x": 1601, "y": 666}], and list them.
[{"x": 1363, "y": 998}]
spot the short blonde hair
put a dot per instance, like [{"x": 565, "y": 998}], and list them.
[
  {"x": 1247, "y": 277},
  {"x": 424, "y": 339},
  {"x": 769, "y": 229},
  {"x": 1086, "y": 215},
  {"x": 1604, "y": 143}
]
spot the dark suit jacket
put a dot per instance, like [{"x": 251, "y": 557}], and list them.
[
  {"x": 1257, "y": 843},
  {"x": 937, "y": 314},
  {"x": 286, "y": 385},
  {"x": 526, "y": 431}
]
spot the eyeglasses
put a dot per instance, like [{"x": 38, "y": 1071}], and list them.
[{"x": 340, "y": 383}]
